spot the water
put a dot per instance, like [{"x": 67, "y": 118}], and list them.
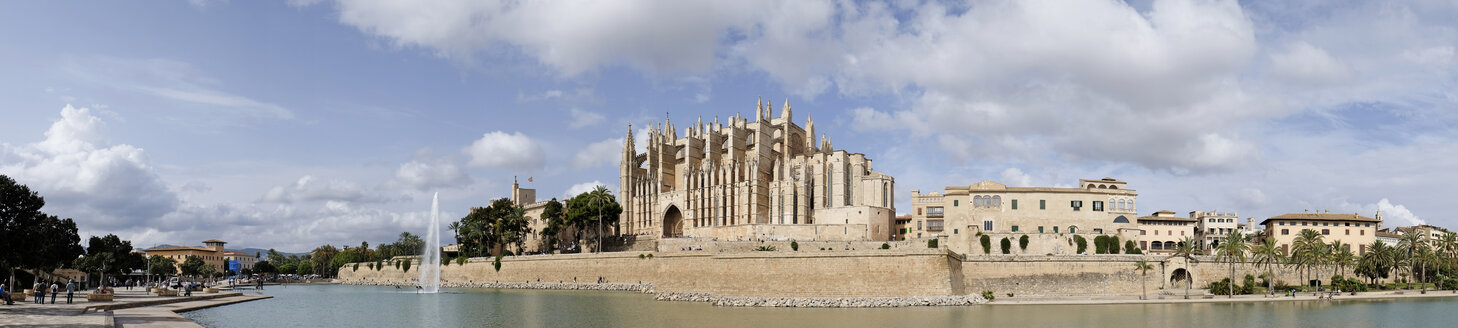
[
  {"x": 430, "y": 257},
  {"x": 367, "y": 306}
]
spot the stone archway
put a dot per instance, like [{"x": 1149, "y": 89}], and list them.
[
  {"x": 1180, "y": 278},
  {"x": 672, "y": 222}
]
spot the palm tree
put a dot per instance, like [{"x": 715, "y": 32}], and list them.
[
  {"x": 1448, "y": 246},
  {"x": 1232, "y": 250},
  {"x": 1187, "y": 250},
  {"x": 599, "y": 198},
  {"x": 1266, "y": 253},
  {"x": 1307, "y": 251},
  {"x": 1424, "y": 256},
  {"x": 1340, "y": 256},
  {"x": 1408, "y": 244},
  {"x": 1143, "y": 267}
]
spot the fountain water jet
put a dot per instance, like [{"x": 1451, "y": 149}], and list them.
[{"x": 430, "y": 257}]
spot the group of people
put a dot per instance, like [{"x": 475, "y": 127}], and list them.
[{"x": 41, "y": 289}]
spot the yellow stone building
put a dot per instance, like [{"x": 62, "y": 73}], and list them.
[
  {"x": 1163, "y": 232},
  {"x": 211, "y": 253},
  {"x": 1097, "y": 207},
  {"x": 1358, "y": 232},
  {"x": 743, "y": 180}
]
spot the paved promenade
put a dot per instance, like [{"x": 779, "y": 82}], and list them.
[{"x": 85, "y": 314}]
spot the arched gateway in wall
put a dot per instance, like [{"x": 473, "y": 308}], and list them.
[{"x": 672, "y": 222}]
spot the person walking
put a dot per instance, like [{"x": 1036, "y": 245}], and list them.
[
  {"x": 39, "y": 290},
  {"x": 5, "y": 295},
  {"x": 55, "y": 289},
  {"x": 70, "y": 290}
]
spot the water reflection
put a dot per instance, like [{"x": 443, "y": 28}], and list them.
[{"x": 359, "y": 306}]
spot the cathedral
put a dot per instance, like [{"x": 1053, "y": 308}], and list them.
[{"x": 767, "y": 179}]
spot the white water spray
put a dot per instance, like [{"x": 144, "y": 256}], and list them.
[{"x": 430, "y": 257}]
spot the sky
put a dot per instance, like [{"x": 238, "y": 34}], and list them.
[{"x": 291, "y": 124}]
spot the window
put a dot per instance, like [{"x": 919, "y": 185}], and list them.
[
  {"x": 1040, "y": 229},
  {"x": 1349, "y": 232},
  {"x": 954, "y": 231},
  {"x": 1143, "y": 245},
  {"x": 918, "y": 211},
  {"x": 977, "y": 201},
  {"x": 934, "y": 225},
  {"x": 1014, "y": 228},
  {"x": 1075, "y": 204},
  {"x": 1098, "y": 206},
  {"x": 1072, "y": 229},
  {"x": 1042, "y": 204},
  {"x": 1055, "y": 229},
  {"x": 1362, "y": 233},
  {"x": 955, "y": 202},
  {"x": 934, "y": 212},
  {"x": 1325, "y": 231},
  {"x": 996, "y": 201},
  {"x": 918, "y": 227},
  {"x": 1098, "y": 231},
  {"x": 987, "y": 225},
  {"x": 1285, "y": 232}
]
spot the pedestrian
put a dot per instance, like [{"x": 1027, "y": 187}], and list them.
[
  {"x": 70, "y": 290},
  {"x": 54, "y": 290},
  {"x": 39, "y": 290},
  {"x": 5, "y": 295}
]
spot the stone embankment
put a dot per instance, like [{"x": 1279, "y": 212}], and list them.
[
  {"x": 646, "y": 288},
  {"x": 820, "y": 302}
]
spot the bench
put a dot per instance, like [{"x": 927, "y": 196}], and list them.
[{"x": 98, "y": 297}]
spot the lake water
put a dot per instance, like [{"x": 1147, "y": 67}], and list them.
[{"x": 368, "y": 306}]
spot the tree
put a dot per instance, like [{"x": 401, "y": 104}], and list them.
[
  {"x": 1143, "y": 267},
  {"x": 109, "y": 256},
  {"x": 264, "y": 267},
  {"x": 305, "y": 268},
  {"x": 407, "y": 244},
  {"x": 290, "y": 268},
  {"x": 556, "y": 219},
  {"x": 1378, "y": 262},
  {"x": 160, "y": 265},
  {"x": 1232, "y": 250},
  {"x": 192, "y": 265},
  {"x": 1308, "y": 250},
  {"x": 1408, "y": 244},
  {"x": 596, "y": 209},
  {"x": 351, "y": 255},
  {"x": 1342, "y": 257},
  {"x": 1187, "y": 250},
  {"x": 319, "y": 260},
  {"x": 20, "y": 209},
  {"x": 1266, "y": 253},
  {"x": 1424, "y": 256}
]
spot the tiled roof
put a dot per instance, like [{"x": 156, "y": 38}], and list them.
[{"x": 1321, "y": 217}]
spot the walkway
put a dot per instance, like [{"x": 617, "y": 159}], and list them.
[{"x": 85, "y": 314}]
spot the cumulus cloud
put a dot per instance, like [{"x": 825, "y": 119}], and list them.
[
  {"x": 598, "y": 153},
  {"x": 580, "y": 188},
  {"x": 500, "y": 150},
  {"x": 311, "y": 189},
  {"x": 428, "y": 174},
  {"x": 1392, "y": 214},
  {"x": 83, "y": 176},
  {"x": 582, "y": 118},
  {"x": 1015, "y": 177}
]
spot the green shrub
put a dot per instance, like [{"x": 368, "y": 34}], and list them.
[
  {"x": 379, "y": 265},
  {"x": 397, "y": 265},
  {"x": 931, "y": 243},
  {"x": 885, "y": 246},
  {"x": 1113, "y": 244},
  {"x": 765, "y": 248},
  {"x": 507, "y": 253},
  {"x": 405, "y": 266},
  {"x": 370, "y": 266},
  {"x": 356, "y": 267},
  {"x": 794, "y": 245},
  {"x": 461, "y": 260},
  {"x": 1347, "y": 284},
  {"x": 1249, "y": 285},
  {"x": 1449, "y": 283},
  {"x": 445, "y": 261},
  {"x": 640, "y": 256},
  {"x": 1009, "y": 294},
  {"x": 1023, "y": 242},
  {"x": 1101, "y": 245},
  {"x": 986, "y": 244},
  {"x": 650, "y": 255},
  {"x": 1129, "y": 248},
  {"x": 1221, "y": 287},
  {"x": 497, "y": 263},
  {"x": 1082, "y": 243},
  {"x": 1006, "y": 245},
  {"x": 987, "y": 294}
]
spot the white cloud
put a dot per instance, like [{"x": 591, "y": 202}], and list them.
[
  {"x": 598, "y": 153},
  {"x": 582, "y": 118},
  {"x": 1306, "y": 63},
  {"x": 83, "y": 176},
  {"x": 311, "y": 189},
  {"x": 1014, "y": 177},
  {"x": 426, "y": 174},
  {"x": 500, "y": 150},
  {"x": 1392, "y": 214},
  {"x": 580, "y": 188},
  {"x": 172, "y": 80}
]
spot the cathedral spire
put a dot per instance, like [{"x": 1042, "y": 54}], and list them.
[{"x": 759, "y": 110}]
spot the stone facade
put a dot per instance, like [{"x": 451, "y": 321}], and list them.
[
  {"x": 751, "y": 180},
  {"x": 1356, "y": 231},
  {"x": 1163, "y": 232},
  {"x": 1211, "y": 227},
  {"x": 211, "y": 253},
  {"x": 1096, "y": 207}
]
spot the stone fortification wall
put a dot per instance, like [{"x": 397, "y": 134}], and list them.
[
  {"x": 668, "y": 245},
  {"x": 1099, "y": 275},
  {"x": 873, "y": 273}
]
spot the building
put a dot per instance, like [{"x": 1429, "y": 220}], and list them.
[
  {"x": 1354, "y": 230},
  {"x": 1386, "y": 236},
  {"x": 1433, "y": 233},
  {"x": 903, "y": 227},
  {"x": 245, "y": 260},
  {"x": 211, "y": 253},
  {"x": 527, "y": 200},
  {"x": 1213, "y": 226},
  {"x": 1096, "y": 207},
  {"x": 741, "y": 180},
  {"x": 1163, "y": 232}
]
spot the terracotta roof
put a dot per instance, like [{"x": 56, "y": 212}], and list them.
[
  {"x": 1166, "y": 218},
  {"x": 180, "y": 248},
  {"x": 1387, "y": 234},
  {"x": 214, "y": 241},
  {"x": 1321, "y": 217},
  {"x": 908, "y": 216}
]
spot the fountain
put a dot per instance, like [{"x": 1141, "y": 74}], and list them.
[{"x": 430, "y": 258}]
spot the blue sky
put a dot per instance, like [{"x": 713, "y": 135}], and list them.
[{"x": 289, "y": 124}]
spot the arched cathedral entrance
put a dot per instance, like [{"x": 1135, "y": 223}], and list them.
[{"x": 672, "y": 222}]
